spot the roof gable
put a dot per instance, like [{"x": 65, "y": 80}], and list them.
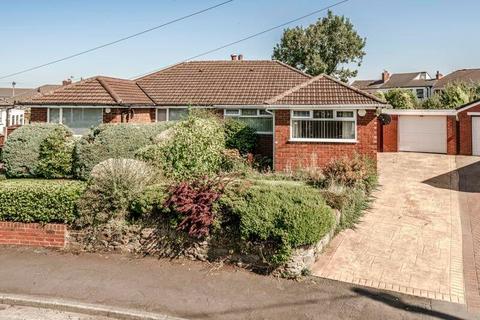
[
  {"x": 325, "y": 90},
  {"x": 241, "y": 82}
]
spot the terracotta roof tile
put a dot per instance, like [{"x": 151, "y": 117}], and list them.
[
  {"x": 242, "y": 82},
  {"x": 94, "y": 91},
  {"x": 324, "y": 90}
]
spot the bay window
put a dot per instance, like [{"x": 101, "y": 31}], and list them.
[
  {"x": 324, "y": 125},
  {"x": 258, "y": 119},
  {"x": 79, "y": 120}
]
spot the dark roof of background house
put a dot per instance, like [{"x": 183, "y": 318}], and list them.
[
  {"x": 241, "y": 82},
  {"x": 396, "y": 80},
  {"x": 23, "y": 93},
  {"x": 463, "y": 75},
  {"x": 93, "y": 91},
  {"x": 325, "y": 90}
]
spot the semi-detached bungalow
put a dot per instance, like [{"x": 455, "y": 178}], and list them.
[{"x": 302, "y": 121}]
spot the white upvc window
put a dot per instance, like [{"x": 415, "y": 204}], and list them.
[
  {"x": 79, "y": 120},
  {"x": 259, "y": 119},
  {"x": 171, "y": 114},
  {"x": 324, "y": 125}
]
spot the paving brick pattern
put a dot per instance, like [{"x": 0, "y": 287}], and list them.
[
  {"x": 469, "y": 173},
  {"x": 410, "y": 241}
]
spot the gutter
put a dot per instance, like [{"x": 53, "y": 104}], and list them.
[{"x": 421, "y": 112}]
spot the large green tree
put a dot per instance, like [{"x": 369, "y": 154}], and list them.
[
  {"x": 328, "y": 46},
  {"x": 399, "y": 98}
]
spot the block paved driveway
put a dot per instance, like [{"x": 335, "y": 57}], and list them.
[{"x": 410, "y": 240}]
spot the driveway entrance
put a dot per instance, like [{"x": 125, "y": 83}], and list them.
[{"x": 411, "y": 239}]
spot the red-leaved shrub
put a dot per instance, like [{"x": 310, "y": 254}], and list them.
[{"x": 193, "y": 201}]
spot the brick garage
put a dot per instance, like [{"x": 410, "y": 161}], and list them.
[
  {"x": 290, "y": 155},
  {"x": 33, "y": 234},
  {"x": 390, "y": 133},
  {"x": 466, "y": 115}
]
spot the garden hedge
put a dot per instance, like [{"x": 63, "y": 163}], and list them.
[
  {"x": 22, "y": 153},
  {"x": 45, "y": 201},
  {"x": 112, "y": 141}
]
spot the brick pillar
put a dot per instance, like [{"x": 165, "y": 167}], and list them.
[
  {"x": 451, "y": 135},
  {"x": 390, "y": 135}
]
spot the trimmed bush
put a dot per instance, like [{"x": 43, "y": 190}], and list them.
[
  {"x": 285, "y": 214},
  {"x": 193, "y": 149},
  {"x": 112, "y": 141},
  {"x": 239, "y": 136},
  {"x": 26, "y": 149},
  {"x": 39, "y": 200},
  {"x": 351, "y": 172},
  {"x": 113, "y": 186},
  {"x": 55, "y": 156}
]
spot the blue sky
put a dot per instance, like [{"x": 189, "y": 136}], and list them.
[{"x": 402, "y": 36}]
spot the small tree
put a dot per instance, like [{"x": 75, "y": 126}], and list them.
[
  {"x": 323, "y": 47},
  {"x": 453, "y": 96},
  {"x": 399, "y": 98}
]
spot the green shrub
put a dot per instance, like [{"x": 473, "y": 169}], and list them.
[
  {"x": 351, "y": 202},
  {"x": 193, "y": 149},
  {"x": 286, "y": 214},
  {"x": 39, "y": 200},
  {"x": 400, "y": 98},
  {"x": 113, "y": 186},
  {"x": 146, "y": 204},
  {"x": 55, "y": 156},
  {"x": 240, "y": 136},
  {"x": 112, "y": 141},
  {"x": 21, "y": 153}
]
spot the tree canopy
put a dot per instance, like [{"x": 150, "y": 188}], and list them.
[
  {"x": 327, "y": 46},
  {"x": 399, "y": 98},
  {"x": 453, "y": 95}
]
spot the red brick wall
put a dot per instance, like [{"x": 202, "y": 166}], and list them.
[
  {"x": 140, "y": 115},
  {"x": 390, "y": 138},
  {"x": 32, "y": 234},
  {"x": 38, "y": 115},
  {"x": 465, "y": 131},
  {"x": 293, "y": 155},
  {"x": 451, "y": 135}
]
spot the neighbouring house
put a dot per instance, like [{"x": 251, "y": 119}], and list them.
[
  {"x": 420, "y": 83},
  {"x": 17, "y": 115},
  {"x": 471, "y": 76},
  {"x": 300, "y": 120}
]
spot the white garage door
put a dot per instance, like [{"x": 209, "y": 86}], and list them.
[
  {"x": 476, "y": 136},
  {"x": 422, "y": 134}
]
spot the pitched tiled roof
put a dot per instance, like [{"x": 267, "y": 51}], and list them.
[
  {"x": 241, "y": 82},
  {"x": 325, "y": 90},
  {"x": 396, "y": 80},
  {"x": 94, "y": 91},
  {"x": 463, "y": 75}
]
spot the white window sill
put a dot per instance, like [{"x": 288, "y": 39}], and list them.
[{"x": 324, "y": 140}]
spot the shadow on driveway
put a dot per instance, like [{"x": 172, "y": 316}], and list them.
[
  {"x": 469, "y": 179},
  {"x": 398, "y": 303}
]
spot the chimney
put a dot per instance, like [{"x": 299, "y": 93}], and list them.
[
  {"x": 234, "y": 57},
  {"x": 438, "y": 76},
  {"x": 240, "y": 57},
  {"x": 66, "y": 82},
  {"x": 385, "y": 76}
]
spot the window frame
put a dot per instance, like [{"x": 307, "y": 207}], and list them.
[
  {"x": 258, "y": 115},
  {"x": 167, "y": 110},
  {"x": 335, "y": 118},
  {"x": 60, "y": 113}
]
